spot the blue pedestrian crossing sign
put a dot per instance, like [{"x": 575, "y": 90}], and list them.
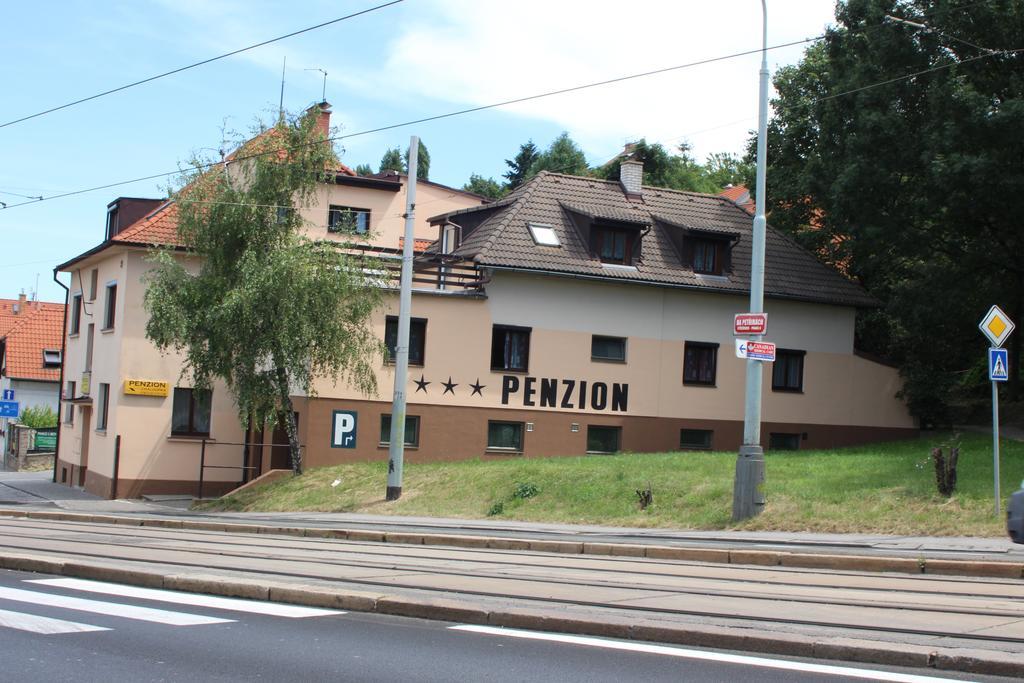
[{"x": 998, "y": 370}]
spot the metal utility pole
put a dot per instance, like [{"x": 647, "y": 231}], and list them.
[
  {"x": 748, "y": 487},
  {"x": 396, "y": 450}
]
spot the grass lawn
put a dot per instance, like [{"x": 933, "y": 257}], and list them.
[{"x": 882, "y": 488}]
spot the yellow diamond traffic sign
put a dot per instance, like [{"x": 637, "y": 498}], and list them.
[{"x": 996, "y": 325}]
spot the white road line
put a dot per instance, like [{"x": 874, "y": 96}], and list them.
[
  {"x": 37, "y": 624},
  {"x": 252, "y": 606},
  {"x": 703, "y": 655},
  {"x": 114, "y": 609}
]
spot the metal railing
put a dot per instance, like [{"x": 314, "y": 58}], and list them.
[{"x": 244, "y": 467}]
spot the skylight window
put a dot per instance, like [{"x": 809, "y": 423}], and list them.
[
  {"x": 51, "y": 358},
  {"x": 544, "y": 234}
]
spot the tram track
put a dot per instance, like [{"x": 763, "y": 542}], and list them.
[
  {"x": 995, "y": 588},
  {"x": 411, "y": 563}
]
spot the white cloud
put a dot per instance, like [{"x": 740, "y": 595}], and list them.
[
  {"x": 471, "y": 52},
  {"x": 482, "y": 52}
]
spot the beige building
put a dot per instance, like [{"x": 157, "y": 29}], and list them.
[
  {"x": 573, "y": 316},
  {"x": 603, "y": 322},
  {"x": 130, "y": 423}
]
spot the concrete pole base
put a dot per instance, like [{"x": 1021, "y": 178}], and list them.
[{"x": 748, "y": 488}]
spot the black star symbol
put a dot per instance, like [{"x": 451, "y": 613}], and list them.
[
  {"x": 449, "y": 387},
  {"x": 421, "y": 384},
  {"x": 477, "y": 388}
]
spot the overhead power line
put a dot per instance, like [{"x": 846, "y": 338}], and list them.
[
  {"x": 437, "y": 117},
  {"x": 201, "y": 63},
  {"x": 532, "y": 97},
  {"x": 23, "y": 196}
]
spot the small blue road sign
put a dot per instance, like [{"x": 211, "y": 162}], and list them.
[
  {"x": 998, "y": 370},
  {"x": 8, "y": 409},
  {"x": 343, "y": 431},
  {"x": 8, "y": 394}
]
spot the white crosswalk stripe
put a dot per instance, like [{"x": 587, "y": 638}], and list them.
[
  {"x": 47, "y": 625},
  {"x": 114, "y": 609},
  {"x": 195, "y": 599}
]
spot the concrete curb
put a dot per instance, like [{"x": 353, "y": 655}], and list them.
[
  {"x": 767, "y": 558},
  {"x": 463, "y": 610}
]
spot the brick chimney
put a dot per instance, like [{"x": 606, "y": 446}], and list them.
[
  {"x": 323, "y": 117},
  {"x": 19, "y": 307},
  {"x": 631, "y": 175}
]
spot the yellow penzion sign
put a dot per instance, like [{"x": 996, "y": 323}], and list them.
[{"x": 145, "y": 387}]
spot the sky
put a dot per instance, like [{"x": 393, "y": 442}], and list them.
[{"x": 408, "y": 61}]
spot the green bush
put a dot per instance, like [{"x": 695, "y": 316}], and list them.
[
  {"x": 38, "y": 417},
  {"x": 524, "y": 491}
]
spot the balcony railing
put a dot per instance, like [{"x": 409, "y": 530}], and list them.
[{"x": 431, "y": 271}]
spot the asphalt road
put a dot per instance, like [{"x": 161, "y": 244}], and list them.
[{"x": 101, "y": 632}]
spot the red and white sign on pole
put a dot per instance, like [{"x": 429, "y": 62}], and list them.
[
  {"x": 750, "y": 323},
  {"x": 755, "y": 350}
]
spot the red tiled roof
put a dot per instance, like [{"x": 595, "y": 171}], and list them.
[
  {"x": 158, "y": 227},
  {"x": 740, "y": 196},
  {"x": 39, "y": 327},
  {"x": 9, "y": 319},
  {"x": 262, "y": 143},
  {"x": 418, "y": 245}
]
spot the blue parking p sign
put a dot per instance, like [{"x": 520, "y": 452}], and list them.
[
  {"x": 343, "y": 429},
  {"x": 998, "y": 369}
]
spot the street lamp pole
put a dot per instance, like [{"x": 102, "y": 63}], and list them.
[
  {"x": 396, "y": 449},
  {"x": 748, "y": 487}
]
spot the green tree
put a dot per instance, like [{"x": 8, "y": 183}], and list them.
[
  {"x": 268, "y": 310},
  {"x": 487, "y": 187},
  {"x": 723, "y": 169},
  {"x": 519, "y": 167},
  {"x": 392, "y": 161},
  {"x": 912, "y": 184},
  {"x": 422, "y": 162},
  {"x": 562, "y": 156},
  {"x": 364, "y": 170},
  {"x": 396, "y": 159},
  {"x": 662, "y": 169},
  {"x": 38, "y": 417}
]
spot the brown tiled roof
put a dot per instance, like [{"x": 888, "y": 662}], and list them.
[
  {"x": 503, "y": 240},
  {"x": 37, "y": 328}
]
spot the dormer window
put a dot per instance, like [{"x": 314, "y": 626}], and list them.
[
  {"x": 613, "y": 245},
  {"x": 707, "y": 256},
  {"x": 705, "y": 251}
]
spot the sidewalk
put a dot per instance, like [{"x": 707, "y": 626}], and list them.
[{"x": 35, "y": 492}]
